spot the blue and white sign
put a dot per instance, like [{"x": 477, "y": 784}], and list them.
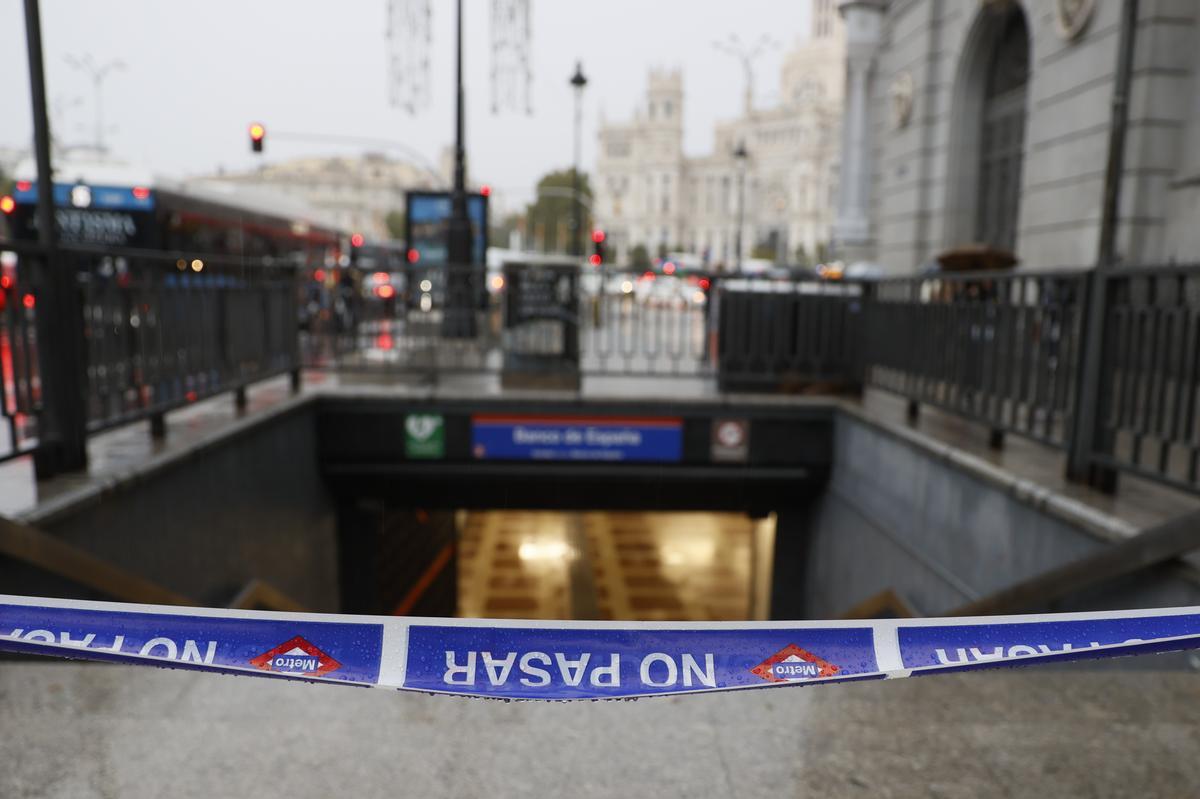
[
  {"x": 101, "y": 198},
  {"x": 560, "y": 660},
  {"x": 967, "y": 645},
  {"x": 296, "y": 648},
  {"x": 565, "y": 438},
  {"x": 533, "y": 663}
]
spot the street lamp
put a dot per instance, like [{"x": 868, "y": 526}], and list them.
[
  {"x": 578, "y": 82},
  {"x": 97, "y": 73},
  {"x": 740, "y": 155},
  {"x": 745, "y": 53}
]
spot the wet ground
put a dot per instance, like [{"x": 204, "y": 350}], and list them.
[{"x": 95, "y": 730}]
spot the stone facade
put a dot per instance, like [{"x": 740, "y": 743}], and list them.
[
  {"x": 348, "y": 193},
  {"x": 918, "y": 72},
  {"x": 648, "y": 192}
]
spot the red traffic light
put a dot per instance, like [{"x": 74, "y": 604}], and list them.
[
  {"x": 485, "y": 190},
  {"x": 257, "y": 134},
  {"x": 598, "y": 236},
  {"x": 595, "y": 260},
  {"x": 356, "y": 240},
  {"x": 414, "y": 255}
]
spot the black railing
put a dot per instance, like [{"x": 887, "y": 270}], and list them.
[
  {"x": 1002, "y": 349},
  {"x": 1007, "y": 350},
  {"x": 159, "y": 332},
  {"x": 615, "y": 325},
  {"x": 789, "y": 335},
  {"x": 1147, "y": 398}
]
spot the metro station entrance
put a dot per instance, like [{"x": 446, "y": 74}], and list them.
[
  {"x": 678, "y": 525},
  {"x": 619, "y": 566}
]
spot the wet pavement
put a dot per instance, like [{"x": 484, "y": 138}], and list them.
[{"x": 96, "y": 730}]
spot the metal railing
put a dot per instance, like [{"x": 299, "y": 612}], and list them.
[
  {"x": 619, "y": 325},
  {"x": 1007, "y": 350},
  {"x": 1002, "y": 349},
  {"x": 789, "y": 335},
  {"x": 1147, "y": 399},
  {"x": 159, "y": 331}
]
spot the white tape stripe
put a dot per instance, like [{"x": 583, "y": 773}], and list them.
[
  {"x": 394, "y": 658},
  {"x": 887, "y": 649}
]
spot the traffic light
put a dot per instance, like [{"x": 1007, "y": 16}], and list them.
[
  {"x": 356, "y": 243},
  {"x": 257, "y": 134},
  {"x": 597, "y": 256}
]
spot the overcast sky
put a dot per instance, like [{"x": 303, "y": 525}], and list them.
[{"x": 198, "y": 72}]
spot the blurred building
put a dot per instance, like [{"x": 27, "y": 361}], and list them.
[
  {"x": 988, "y": 123},
  {"x": 9, "y": 158},
  {"x": 648, "y": 192},
  {"x": 349, "y": 193}
]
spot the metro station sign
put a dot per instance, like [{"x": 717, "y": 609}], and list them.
[{"x": 569, "y": 438}]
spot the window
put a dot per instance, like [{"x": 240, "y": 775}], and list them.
[{"x": 1003, "y": 140}]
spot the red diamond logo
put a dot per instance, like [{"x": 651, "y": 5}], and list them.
[
  {"x": 296, "y": 656},
  {"x": 793, "y": 663}
]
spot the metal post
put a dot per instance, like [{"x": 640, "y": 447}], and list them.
[
  {"x": 740, "y": 155},
  {"x": 1088, "y": 418},
  {"x": 459, "y": 319},
  {"x": 62, "y": 422},
  {"x": 578, "y": 81}
]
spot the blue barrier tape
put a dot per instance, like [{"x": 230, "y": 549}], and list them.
[{"x": 572, "y": 660}]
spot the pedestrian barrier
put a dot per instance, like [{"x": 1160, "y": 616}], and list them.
[{"x": 561, "y": 660}]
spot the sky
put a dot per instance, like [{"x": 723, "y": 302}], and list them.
[{"x": 197, "y": 73}]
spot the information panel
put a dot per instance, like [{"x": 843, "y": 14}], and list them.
[
  {"x": 566, "y": 438},
  {"x": 427, "y": 222}
]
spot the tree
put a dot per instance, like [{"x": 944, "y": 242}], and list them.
[
  {"x": 395, "y": 224},
  {"x": 549, "y": 216},
  {"x": 764, "y": 251},
  {"x": 501, "y": 231},
  {"x": 802, "y": 256},
  {"x": 639, "y": 259}
]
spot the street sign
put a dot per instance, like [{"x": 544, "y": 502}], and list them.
[
  {"x": 565, "y": 438},
  {"x": 424, "y": 436},
  {"x": 730, "y": 440}
]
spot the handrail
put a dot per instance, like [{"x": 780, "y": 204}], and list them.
[
  {"x": 30, "y": 545},
  {"x": 1149, "y": 548},
  {"x": 259, "y": 595}
]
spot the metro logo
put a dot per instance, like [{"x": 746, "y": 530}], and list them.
[
  {"x": 793, "y": 663},
  {"x": 296, "y": 656}
]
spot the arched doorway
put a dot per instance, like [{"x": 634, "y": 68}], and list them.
[
  {"x": 1002, "y": 140},
  {"x": 988, "y": 134}
]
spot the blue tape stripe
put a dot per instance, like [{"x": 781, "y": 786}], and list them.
[{"x": 572, "y": 660}]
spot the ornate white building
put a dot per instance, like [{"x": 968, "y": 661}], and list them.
[
  {"x": 990, "y": 122},
  {"x": 648, "y": 192}
]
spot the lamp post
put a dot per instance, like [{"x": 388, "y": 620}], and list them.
[
  {"x": 578, "y": 82},
  {"x": 740, "y": 155},
  {"x": 459, "y": 318},
  {"x": 62, "y": 420},
  {"x": 97, "y": 73}
]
